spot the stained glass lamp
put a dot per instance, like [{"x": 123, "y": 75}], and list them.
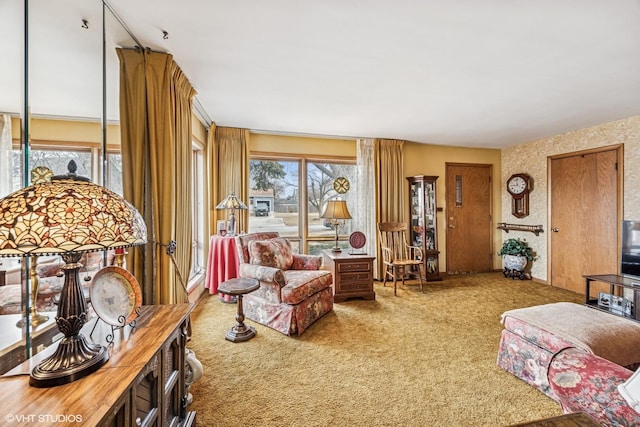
[
  {"x": 231, "y": 202},
  {"x": 337, "y": 212},
  {"x": 68, "y": 217}
]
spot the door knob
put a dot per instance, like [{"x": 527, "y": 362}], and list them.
[
  {"x": 452, "y": 226},
  {"x": 555, "y": 230}
]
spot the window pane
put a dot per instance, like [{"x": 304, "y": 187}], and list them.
[
  {"x": 16, "y": 174},
  {"x": 57, "y": 161},
  {"x": 320, "y": 179},
  {"x": 199, "y": 239},
  {"x": 317, "y": 246},
  {"x": 114, "y": 175},
  {"x": 273, "y": 197}
]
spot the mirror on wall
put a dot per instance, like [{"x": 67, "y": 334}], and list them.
[
  {"x": 62, "y": 87},
  {"x": 11, "y": 91}
]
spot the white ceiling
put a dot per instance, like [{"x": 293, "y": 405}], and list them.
[{"x": 483, "y": 73}]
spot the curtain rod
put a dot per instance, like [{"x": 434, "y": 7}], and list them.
[
  {"x": 121, "y": 21},
  {"x": 201, "y": 113}
]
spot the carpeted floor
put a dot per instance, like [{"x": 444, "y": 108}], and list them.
[{"x": 412, "y": 360}]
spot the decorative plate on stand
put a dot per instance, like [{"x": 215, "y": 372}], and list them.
[
  {"x": 357, "y": 240},
  {"x": 116, "y": 296}
]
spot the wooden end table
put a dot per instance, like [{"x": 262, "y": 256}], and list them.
[
  {"x": 238, "y": 287},
  {"x": 352, "y": 275}
]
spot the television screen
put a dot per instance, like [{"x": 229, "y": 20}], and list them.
[{"x": 630, "y": 249}]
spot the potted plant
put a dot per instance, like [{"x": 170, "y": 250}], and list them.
[{"x": 516, "y": 253}]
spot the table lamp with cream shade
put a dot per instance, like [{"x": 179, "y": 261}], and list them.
[
  {"x": 231, "y": 202},
  {"x": 68, "y": 216},
  {"x": 336, "y": 212}
]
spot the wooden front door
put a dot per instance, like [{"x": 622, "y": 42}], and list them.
[
  {"x": 584, "y": 216},
  {"x": 468, "y": 218}
]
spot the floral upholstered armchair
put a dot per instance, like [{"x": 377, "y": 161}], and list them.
[{"x": 293, "y": 291}]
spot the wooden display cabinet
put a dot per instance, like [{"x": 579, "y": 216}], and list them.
[{"x": 423, "y": 230}]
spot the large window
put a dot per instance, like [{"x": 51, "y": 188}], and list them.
[
  {"x": 288, "y": 196},
  {"x": 57, "y": 159},
  {"x": 198, "y": 214},
  {"x": 54, "y": 159}
]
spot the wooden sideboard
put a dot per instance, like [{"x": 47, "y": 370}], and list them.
[{"x": 143, "y": 383}]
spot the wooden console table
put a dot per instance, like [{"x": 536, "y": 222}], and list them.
[
  {"x": 352, "y": 275},
  {"x": 143, "y": 383}
]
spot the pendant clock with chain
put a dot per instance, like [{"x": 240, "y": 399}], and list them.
[{"x": 519, "y": 186}]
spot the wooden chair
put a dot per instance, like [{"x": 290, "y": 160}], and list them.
[{"x": 397, "y": 255}]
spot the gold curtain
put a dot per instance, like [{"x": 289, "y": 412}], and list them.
[
  {"x": 135, "y": 155},
  {"x": 181, "y": 101},
  {"x": 155, "y": 108},
  {"x": 230, "y": 172},
  {"x": 212, "y": 166},
  {"x": 390, "y": 184}
]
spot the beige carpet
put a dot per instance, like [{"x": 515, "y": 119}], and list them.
[{"x": 412, "y": 360}]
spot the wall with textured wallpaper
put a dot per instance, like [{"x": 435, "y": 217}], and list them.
[{"x": 531, "y": 158}]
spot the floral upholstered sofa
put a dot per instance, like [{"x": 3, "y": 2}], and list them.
[
  {"x": 574, "y": 354},
  {"x": 293, "y": 291},
  {"x": 584, "y": 382}
]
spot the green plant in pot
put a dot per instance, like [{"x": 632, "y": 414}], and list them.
[{"x": 516, "y": 253}]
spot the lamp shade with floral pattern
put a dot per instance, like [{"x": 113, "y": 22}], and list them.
[
  {"x": 67, "y": 217},
  {"x": 64, "y": 216}
]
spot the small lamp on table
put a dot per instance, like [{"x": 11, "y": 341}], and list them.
[
  {"x": 336, "y": 212},
  {"x": 231, "y": 202}
]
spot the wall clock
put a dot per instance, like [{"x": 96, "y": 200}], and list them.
[
  {"x": 341, "y": 185},
  {"x": 519, "y": 186}
]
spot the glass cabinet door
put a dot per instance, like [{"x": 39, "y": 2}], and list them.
[
  {"x": 417, "y": 218},
  {"x": 423, "y": 222}
]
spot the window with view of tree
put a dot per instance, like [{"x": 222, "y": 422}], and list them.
[
  {"x": 288, "y": 196},
  {"x": 58, "y": 160},
  {"x": 54, "y": 159}
]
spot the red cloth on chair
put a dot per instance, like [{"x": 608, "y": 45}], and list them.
[{"x": 223, "y": 262}]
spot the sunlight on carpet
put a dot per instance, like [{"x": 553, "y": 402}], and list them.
[{"x": 416, "y": 359}]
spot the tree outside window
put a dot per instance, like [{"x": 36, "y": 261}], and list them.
[{"x": 275, "y": 205}]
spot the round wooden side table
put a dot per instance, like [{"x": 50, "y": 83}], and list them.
[{"x": 238, "y": 287}]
